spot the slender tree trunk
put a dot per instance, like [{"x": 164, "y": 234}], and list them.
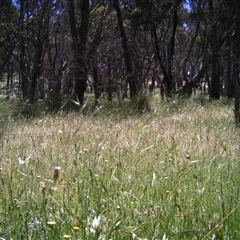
[
  {"x": 81, "y": 81},
  {"x": 37, "y": 68},
  {"x": 236, "y": 68},
  {"x": 8, "y": 80},
  {"x": 215, "y": 79},
  {"x": 188, "y": 87},
  {"x": 237, "y": 95},
  {"x": 171, "y": 45},
  {"x": 38, "y": 47},
  {"x": 109, "y": 81},
  {"x": 61, "y": 65},
  {"x": 166, "y": 80},
  {"x": 34, "y": 77},
  {"x": 24, "y": 80},
  {"x": 229, "y": 79},
  {"x": 197, "y": 78},
  {"x": 79, "y": 42},
  {"x": 96, "y": 83},
  {"x": 130, "y": 78}
]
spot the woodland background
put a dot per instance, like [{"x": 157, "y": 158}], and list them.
[
  {"x": 62, "y": 49},
  {"x": 117, "y": 121}
]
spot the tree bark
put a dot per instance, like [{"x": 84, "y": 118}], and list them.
[
  {"x": 166, "y": 80},
  {"x": 171, "y": 45},
  {"x": 24, "y": 80},
  {"x": 237, "y": 95},
  {"x": 229, "y": 79},
  {"x": 167, "y": 69},
  {"x": 130, "y": 78},
  {"x": 236, "y": 68},
  {"x": 79, "y": 42},
  {"x": 215, "y": 79},
  {"x": 41, "y": 39},
  {"x": 185, "y": 61}
]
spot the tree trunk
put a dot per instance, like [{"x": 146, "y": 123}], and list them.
[
  {"x": 61, "y": 64},
  {"x": 34, "y": 77},
  {"x": 24, "y": 80},
  {"x": 229, "y": 79},
  {"x": 215, "y": 79},
  {"x": 130, "y": 78},
  {"x": 166, "y": 80},
  {"x": 236, "y": 68},
  {"x": 36, "y": 69},
  {"x": 237, "y": 96},
  {"x": 79, "y": 42},
  {"x": 38, "y": 48},
  {"x": 196, "y": 79},
  {"x": 171, "y": 48},
  {"x": 185, "y": 61},
  {"x": 109, "y": 81},
  {"x": 96, "y": 84}
]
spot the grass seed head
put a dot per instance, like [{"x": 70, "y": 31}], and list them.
[{"x": 56, "y": 173}]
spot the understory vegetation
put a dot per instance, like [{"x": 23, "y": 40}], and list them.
[{"x": 169, "y": 173}]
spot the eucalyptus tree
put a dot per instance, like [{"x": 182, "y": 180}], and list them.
[
  {"x": 213, "y": 37},
  {"x": 109, "y": 60},
  {"x": 87, "y": 27},
  {"x": 229, "y": 24},
  {"x": 196, "y": 59},
  {"x": 79, "y": 34},
  {"x": 34, "y": 19},
  {"x": 233, "y": 7},
  {"x": 99, "y": 34},
  {"x": 161, "y": 18},
  {"x": 130, "y": 78},
  {"x": 216, "y": 27},
  {"x": 55, "y": 58},
  {"x": 8, "y": 25}
]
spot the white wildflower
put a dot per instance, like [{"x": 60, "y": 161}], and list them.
[
  {"x": 153, "y": 178},
  {"x": 135, "y": 237},
  {"x": 23, "y": 161},
  {"x": 164, "y": 237},
  {"x": 96, "y": 222}
]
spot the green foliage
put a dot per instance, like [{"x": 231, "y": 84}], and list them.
[
  {"x": 53, "y": 102},
  {"x": 143, "y": 103},
  {"x": 26, "y": 110},
  {"x": 172, "y": 173},
  {"x": 5, "y": 110}
]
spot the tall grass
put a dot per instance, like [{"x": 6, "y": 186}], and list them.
[{"x": 172, "y": 173}]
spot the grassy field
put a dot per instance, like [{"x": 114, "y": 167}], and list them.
[{"x": 172, "y": 173}]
